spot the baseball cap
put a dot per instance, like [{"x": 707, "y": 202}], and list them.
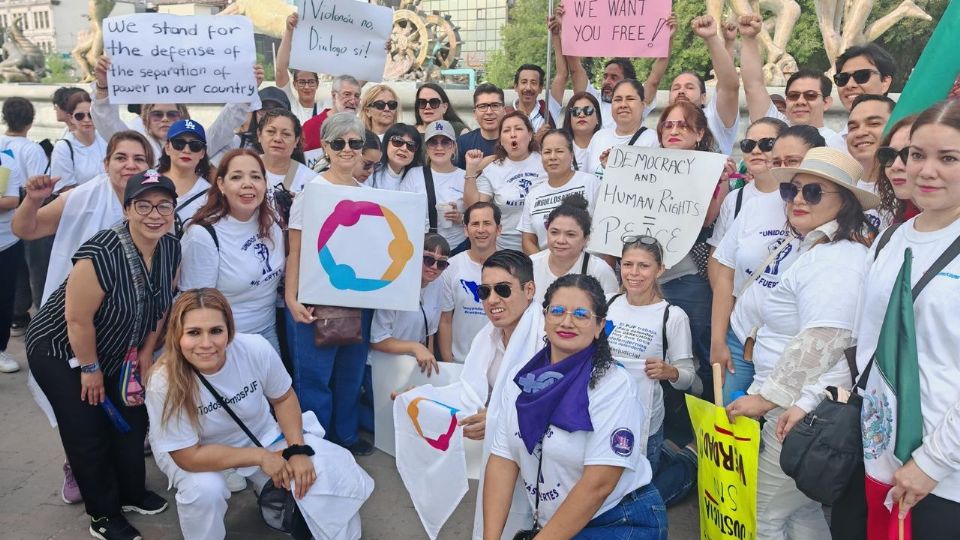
[
  {"x": 440, "y": 127},
  {"x": 276, "y": 96},
  {"x": 187, "y": 126},
  {"x": 146, "y": 181}
]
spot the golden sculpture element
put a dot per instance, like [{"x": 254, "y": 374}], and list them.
[
  {"x": 421, "y": 44},
  {"x": 90, "y": 46},
  {"x": 269, "y": 17},
  {"x": 22, "y": 61}
]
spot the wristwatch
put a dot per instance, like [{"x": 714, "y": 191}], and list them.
[
  {"x": 90, "y": 368},
  {"x": 297, "y": 450}
]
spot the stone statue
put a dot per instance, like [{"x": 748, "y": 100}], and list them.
[
  {"x": 90, "y": 46},
  {"x": 22, "y": 61},
  {"x": 774, "y": 35},
  {"x": 269, "y": 17}
]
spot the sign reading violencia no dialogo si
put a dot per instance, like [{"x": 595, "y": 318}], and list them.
[
  {"x": 361, "y": 247},
  {"x": 630, "y": 28},
  {"x": 656, "y": 192},
  {"x": 160, "y": 58}
]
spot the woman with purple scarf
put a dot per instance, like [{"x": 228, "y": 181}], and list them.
[{"x": 573, "y": 432}]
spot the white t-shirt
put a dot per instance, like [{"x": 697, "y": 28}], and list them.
[
  {"x": 757, "y": 232},
  {"x": 296, "y": 209},
  {"x": 834, "y": 139},
  {"x": 252, "y": 374},
  {"x": 725, "y": 136},
  {"x": 30, "y": 155},
  {"x": 618, "y": 420},
  {"x": 508, "y": 183},
  {"x": 635, "y": 334},
  {"x": 409, "y": 325},
  {"x": 300, "y": 178},
  {"x": 385, "y": 178},
  {"x": 191, "y": 201},
  {"x": 607, "y": 138},
  {"x": 460, "y": 282},
  {"x": 938, "y": 341},
  {"x": 17, "y": 178},
  {"x": 302, "y": 113},
  {"x": 728, "y": 210},
  {"x": 543, "y": 198},
  {"x": 606, "y": 113},
  {"x": 820, "y": 289},
  {"x": 878, "y": 221},
  {"x": 85, "y": 163},
  {"x": 596, "y": 267},
  {"x": 448, "y": 188},
  {"x": 247, "y": 271},
  {"x": 582, "y": 155}
]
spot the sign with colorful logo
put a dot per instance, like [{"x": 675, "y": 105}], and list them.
[
  {"x": 361, "y": 247},
  {"x": 727, "y": 456}
]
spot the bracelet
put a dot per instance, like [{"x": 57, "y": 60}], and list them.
[
  {"x": 297, "y": 450},
  {"x": 100, "y": 87},
  {"x": 471, "y": 176},
  {"x": 90, "y": 368}
]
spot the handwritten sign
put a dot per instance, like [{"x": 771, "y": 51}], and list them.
[
  {"x": 361, "y": 247},
  {"x": 342, "y": 37},
  {"x": 657, "y": 192},
  {"x": 160, "y": 58},
  {"x": 727, "y": 457},
  {"x": 629, "y": 28}
]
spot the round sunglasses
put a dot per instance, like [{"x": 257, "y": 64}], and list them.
[
  {"x": 765, "y": 144},
  {"x": 81, "y": 116},
  {"x": 812, "y": 193},
  {"x": 587, "y": 110},
  {"x": 430, "y": 261}
]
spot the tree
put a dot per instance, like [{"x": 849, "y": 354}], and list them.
[
  {"x": 523, "y": 41},
  {"x": 59, "y": 70}
]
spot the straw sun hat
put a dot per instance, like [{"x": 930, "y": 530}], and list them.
[{"x": 835, "y": 166}]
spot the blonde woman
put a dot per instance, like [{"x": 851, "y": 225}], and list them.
[{"x": 380, "y": 109}]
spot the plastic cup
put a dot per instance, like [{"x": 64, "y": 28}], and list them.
[{"x": 443, "y": 208}]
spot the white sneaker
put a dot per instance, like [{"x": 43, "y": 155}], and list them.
[
  {"x": 235, "y": 481},
  {"x": 7, "y": 363}
]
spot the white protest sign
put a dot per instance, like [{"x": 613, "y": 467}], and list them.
[
  {"x": 160, "y": 58},
  {"x": 342, "y": 37},
  {"x": 657, "y": 192},
  {"x": 361, "y": 247}
]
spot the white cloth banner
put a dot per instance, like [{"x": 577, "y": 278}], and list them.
[
  {"x": 342, "y": 37},
  {"x": 657, "y": 192},
  {"x": 361, "y": 248},
  {"x": 161, "y": 58}
]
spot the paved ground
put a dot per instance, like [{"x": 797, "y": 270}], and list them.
[{"x": 30, "y": 478}]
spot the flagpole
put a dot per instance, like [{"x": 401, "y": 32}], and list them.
[{"x": 546, "y": 83}]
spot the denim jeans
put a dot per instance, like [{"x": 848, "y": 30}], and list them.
[
  {"x": 640, "y": 515},
  {"x": 654, "y": 446},
  {"x": 366, "y": 400},
  {"x": 675, "y": 476},
  {"x": 743, "y": 378},
  {"x": 327, "y": 380},
  {"x": 693, "y": 295}
]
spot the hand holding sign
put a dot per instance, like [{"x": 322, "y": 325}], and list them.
[{"x": 628, "y": 28}]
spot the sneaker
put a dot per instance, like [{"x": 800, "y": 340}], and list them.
[
  {"x": 361, "y": 448},
  {"x": 151, "y": 504},
  {"x": 235, "y": 481},
  {"x": 70, "y": 492},
  {"x": 7, "y": 363},
  {"x": 117, "y": 528},
  {"x": 19, "y": 326}
]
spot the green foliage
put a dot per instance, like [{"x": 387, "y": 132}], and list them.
[
  {"x": 806, "y": 43},
  {"x": 906, "y": 40},
  {"x": 270, "y": 73},
  {"x": 523, "y": 40},
  {"x": 59, "y": 70}
]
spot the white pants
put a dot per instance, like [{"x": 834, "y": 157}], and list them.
[
  {"x": 782, "y": 510},
  {"x": 331, "y": 506}
]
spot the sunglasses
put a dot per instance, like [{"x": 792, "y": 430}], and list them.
[
  {"x": 339, "y": 144},
  {"x": 430, "y": 261},
  {"x": 81, "y": 116},
  {"x": 809, "y": 95},
  {"x": 812, "y": 193},
  {"x": 503, "y": 290},
  {"x": 173, "y": 115},
  {"x": 678, "y": 124},
  {"x": 381, "y": 105},
  {"x": 441, "y": 142},
  {"x": 587, "y": 110},
  {"x": 399, "y": 142},
  {"x": 581, "y": 316},
  {"x": 368, "y": 165},
  {"x": 432, "y": 103},
  {"x": 887, "y": 155},
  {"x": 644, "y": 239},
  {"x": 195, "y": 145},
  {"x": 859, "y": 76},
  {"x": 765, "y": 144},
  {"x": 144, "y": 208},
  {"x": 484, "y": 107}
]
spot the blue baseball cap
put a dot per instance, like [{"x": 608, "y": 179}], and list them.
[{"x": 187, "y": 126}]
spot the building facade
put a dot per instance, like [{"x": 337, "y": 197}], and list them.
[{"x": 53, "y": 25}]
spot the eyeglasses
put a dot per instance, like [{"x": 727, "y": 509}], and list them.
[
  {"x": 484, "y": 107},
  {"x": 81, "y": 116},
  {"x": 367, "y": 165},
  {"x": 339, "y": 144},
  {"x": 195, "y": 145},
  {"x": 399, "y": 142},
  {"x": 432, "y": 103},
  {"x": 144, "y": 208},
  {"x": 809, "y": 95},
  {"x": 680, "y": 125},
  {"x": 887, "y": 155},
  {"x": 789, "y": 162},
  {"x": 307, "y": 83},
  {"x": 439, "y": 142},
  {"x": 173, "y": 115},
  {"x": 812, "y": 193},
  {"x": 429, "y": 261},
  {"x": 503, "y": 290},
  {"x": 587, "y": 110},
  {"x": 860, "y": 76},
  {"x": 581, "y": 316},
  {"x": 765, "y": 144},
  {"x": 388, "y": 105}
]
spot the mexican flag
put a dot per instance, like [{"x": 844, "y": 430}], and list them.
[{"x": 891, "y": 417}]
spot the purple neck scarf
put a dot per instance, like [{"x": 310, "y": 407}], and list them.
[{"x": 554, "y": 394}]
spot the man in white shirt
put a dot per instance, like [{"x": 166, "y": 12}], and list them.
[
  {"x": 461, "y": 309},
  {"x": 528, "y": 83}
]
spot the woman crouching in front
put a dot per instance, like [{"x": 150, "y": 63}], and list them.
[
  {"x": 573, "y": 433},
  {"x": 194, "y": 437}
]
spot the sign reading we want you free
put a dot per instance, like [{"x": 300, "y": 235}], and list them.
[{"x": 629, "y": 28}]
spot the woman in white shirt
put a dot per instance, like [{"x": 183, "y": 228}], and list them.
[
  {"x": 627, "y": 107},
  {"x": 753, "y": 238},
  {"x": 184, "y": 160},
  {"x": 515, "y": 167},
  {"x": 78, "y": 157},
  {"x": 279, "y": 136},
  {"x": 238, "y": 224},
  {"x": 401, "y": 154},
  {"x": 582, "y": 120},
  {"x": 807, "y": 323},
  {"x": 561, "y": 182},
  {"x": 208, "y": 366},
  {"x": 573, "y": 438},
  {"x": 568, "y": 231}
]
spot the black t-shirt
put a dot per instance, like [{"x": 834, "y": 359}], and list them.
[{"x": 469, "y": 141}]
